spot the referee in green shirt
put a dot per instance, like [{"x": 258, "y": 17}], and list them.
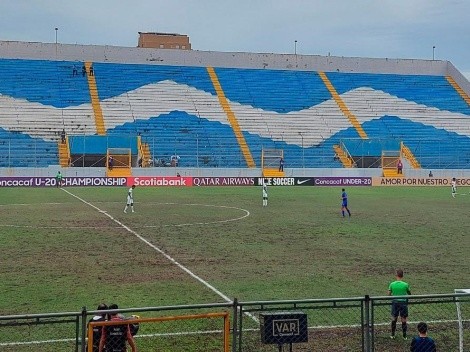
[{"x": 399, "y": 305}]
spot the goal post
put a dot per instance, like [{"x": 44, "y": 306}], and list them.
[
  {"x": 270, "y": 158},
  {"x": 194, "y": 331},
  {"x": 119, "y": 158}
]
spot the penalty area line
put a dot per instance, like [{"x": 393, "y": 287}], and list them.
[{"x": 147, "y": 242}]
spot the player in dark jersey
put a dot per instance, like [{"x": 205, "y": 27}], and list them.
[
  {"x": 114, "y": 337},
  {"x": 344, "y": 204}
]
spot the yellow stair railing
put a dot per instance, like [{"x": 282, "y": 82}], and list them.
[
  {"x": 95, "y": 100},
  {"x": 459, "y": 90},
  {"x": 345, "y": 159},
  {"x": 64, "y": 153},
  {"x": 231, "y": 118},
  {"x": 408, "y": 155},
  {"x": 342, "y": 106}
]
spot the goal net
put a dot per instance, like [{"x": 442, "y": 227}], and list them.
[
  {"x": 119, "y": 158},
  {"x": 462, "y": 303},
  {"x": 270, "y": 158}
]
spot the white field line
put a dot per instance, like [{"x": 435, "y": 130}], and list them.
[
  {"x": 246, "y": 214},
  {"x": 170, "y": 258},
  {"x": 167, "y": 256}
]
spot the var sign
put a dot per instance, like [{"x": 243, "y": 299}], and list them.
[{"x": 283, "y": 328}]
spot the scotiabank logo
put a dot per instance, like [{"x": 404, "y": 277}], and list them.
[{"x": 160, "y": 181}]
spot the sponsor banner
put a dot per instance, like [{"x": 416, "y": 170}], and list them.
[
  {"x": 418, "y": 181},
  {"x": 285, "y": 181},
  {"x": 343, "y": 181},
  {"x": 66, "y": 181},
  {"x": 160, "y": 181},
  {"x": 223, "y": 181}
]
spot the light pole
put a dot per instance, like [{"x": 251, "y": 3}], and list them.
[
  {"x": 433, "y": 48},
  {"x": 56, "y": 29},
  {"x": 295, "y": 47}
]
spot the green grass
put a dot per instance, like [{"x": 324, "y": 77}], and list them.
[{"x": 59, "y": 254}]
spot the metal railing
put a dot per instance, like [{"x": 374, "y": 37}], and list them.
[{"x": 336, "y": 324}]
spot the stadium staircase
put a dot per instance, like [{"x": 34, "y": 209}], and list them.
[
  {"x": 343, "y": 156},
  {"x": 185, "y": 109},
  {"x": 231, "y": 117},
  {"x": 95, "y": 100},
  {"x": 459, "y": 90},
  {"x": 64, "y": 153}
]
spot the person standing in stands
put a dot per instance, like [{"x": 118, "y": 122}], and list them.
[
  {"x": 98, "y": 329},
  {"x": 399, "y": 167},
  {"x": 281, "y": 164},
  {"x": 399, "y": 305},
  {"x": 62, "y": 136},
  {"x": 114, "y": 337},
  {"x": 83, "y": 71},
  {"x": 110, "y": 162},
  {"x": 92, "y": 71}
]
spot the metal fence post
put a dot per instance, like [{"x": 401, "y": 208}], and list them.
[
  {"x": 84, "y": 330},
  {"x": 234, "y": 325},
  {"x": 366, "y": 323}
]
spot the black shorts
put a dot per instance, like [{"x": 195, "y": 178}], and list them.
[{"x": 399, "y": 308}]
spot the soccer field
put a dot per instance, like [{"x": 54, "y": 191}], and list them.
[{"x": 67, "y": 248}]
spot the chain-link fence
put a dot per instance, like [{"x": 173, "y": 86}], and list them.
[{"x": 342, "y": 324}]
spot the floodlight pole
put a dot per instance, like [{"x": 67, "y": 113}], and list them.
[
  {"x": 295, "y": 47},
  {"x": 433, "y": 48}
]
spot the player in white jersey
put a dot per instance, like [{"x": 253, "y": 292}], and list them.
[
  {"x": 265, "y": 194},
  {"x": 130, "y": 199},
  {"x": 454, "y": 187}
]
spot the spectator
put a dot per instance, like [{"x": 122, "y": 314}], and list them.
[
  {"x": 430, "y": 174},
  {"x": 98, "y": 329},
  {"x": 92, "y": 72},
  {"x": 140, "y": 162},
  {"x": 178, "y": 174},
  {"x": 74, "y": 71},
  {"x": 174, "y": 160},
  {"x": 281, "y": 164},
  {"x": 114, "y": 337},
  {"x": 336, "y": 157},
  {"x": 422, "y": 343},
  {"x": 399, "y": 305},
  {"x": 110, "y": 162},
  {"x": 83, "y": 71},
  {"x": 399, "y": 167},
  {"x": 62, "y": 136}
]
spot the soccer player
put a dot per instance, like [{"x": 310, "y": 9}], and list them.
[
  {"x": 265, "y": 194},
  {"x": 454, "y": 187},
  {"x": 130, "y": 199},
  {"x": 344, "y": 204},
  {"x": 399, "y": 305}
]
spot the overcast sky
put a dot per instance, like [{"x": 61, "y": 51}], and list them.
[{"x": 363, "y": 28}]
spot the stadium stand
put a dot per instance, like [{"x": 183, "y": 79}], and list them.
[{"x": 178, "y": 109}]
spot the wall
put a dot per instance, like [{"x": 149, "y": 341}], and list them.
[
  {"x": 216, "y": 172},
  {"x": 73, "y": 52}
]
